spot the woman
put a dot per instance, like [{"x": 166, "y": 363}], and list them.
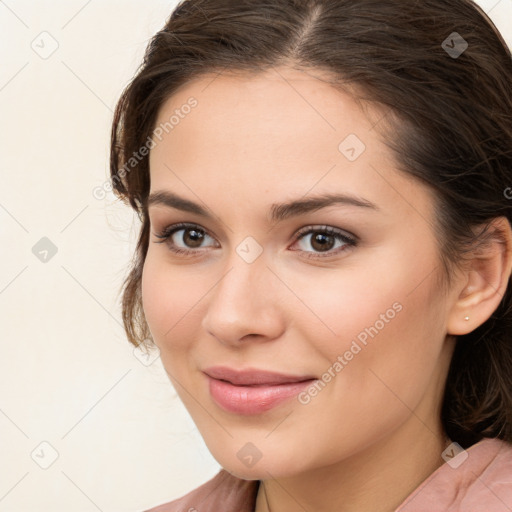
[{"x": 325, "y": 253}]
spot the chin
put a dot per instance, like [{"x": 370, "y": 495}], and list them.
[
  {"x": 246, "y": 474},
  {"x": 264, "y": 469}
]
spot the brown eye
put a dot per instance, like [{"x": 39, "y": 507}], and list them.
[
  {"x": 322, "y": 242},
  {"x": 185, "y": 238},
  {"x": 191, "y": 237}
]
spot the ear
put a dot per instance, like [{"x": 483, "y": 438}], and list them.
[{"x": 484, "y": 281}]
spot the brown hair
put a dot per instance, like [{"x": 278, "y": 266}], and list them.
[{"x": 451, "y": 116}]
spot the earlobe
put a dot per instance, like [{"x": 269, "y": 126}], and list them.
[{"x": 486, "y": 280}]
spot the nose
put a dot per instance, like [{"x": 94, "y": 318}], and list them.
[{"x": 245, "y": 304}]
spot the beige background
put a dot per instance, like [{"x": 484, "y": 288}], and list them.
[{"x": 121, "y": 439}]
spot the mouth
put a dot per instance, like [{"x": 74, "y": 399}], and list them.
[
  {"x": 253, "y": 391},
  {"x": 253, "y": 377}
]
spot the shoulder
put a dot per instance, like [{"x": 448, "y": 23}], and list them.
[
  {"x": 479, "y": 478},
  {"x": 223, "y": 492}
]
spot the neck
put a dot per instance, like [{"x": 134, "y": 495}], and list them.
[{"x": 379, "y": 478}]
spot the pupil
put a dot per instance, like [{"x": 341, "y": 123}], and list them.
[{"x": 325, "y": 242}]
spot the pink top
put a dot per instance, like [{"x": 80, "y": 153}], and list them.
[{"x": 480, "y": 483}]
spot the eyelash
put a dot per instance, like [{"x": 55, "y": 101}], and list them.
[{"x": 327, "y": 230}]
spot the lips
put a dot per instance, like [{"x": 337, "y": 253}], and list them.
[
  {"x": 252, "y": 391},
  {"x": 253, "y": 377}
]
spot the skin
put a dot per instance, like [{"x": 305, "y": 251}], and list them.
[{"x": 373, "y": 433}]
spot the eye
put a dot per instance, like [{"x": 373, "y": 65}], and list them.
[
  {"x": 315, "y": 241},
  {"x": 183, "y": 238},
  {"x": 322, "y": 241}
]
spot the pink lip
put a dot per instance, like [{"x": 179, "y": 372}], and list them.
[{"x": 252, "y": 391}]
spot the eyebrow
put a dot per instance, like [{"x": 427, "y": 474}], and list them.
[{"x": 278, "y": 212}]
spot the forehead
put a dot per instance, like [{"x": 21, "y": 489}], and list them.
[
  {"x": 279, "y": 117},
  {"x": 273, "y": 100},
  {"x": 284, "y": 133}
]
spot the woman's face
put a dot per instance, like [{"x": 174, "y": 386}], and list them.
[{"x": 270, "y": 279}]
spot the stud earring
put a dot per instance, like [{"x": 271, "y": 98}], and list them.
[{"x": 466, "y": 318}]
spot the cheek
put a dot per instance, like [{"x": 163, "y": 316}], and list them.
[
  {"x": 380, "y": 318},
  {"x": 337, "y": 306},
  {"x": 171, "y": 301}
]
